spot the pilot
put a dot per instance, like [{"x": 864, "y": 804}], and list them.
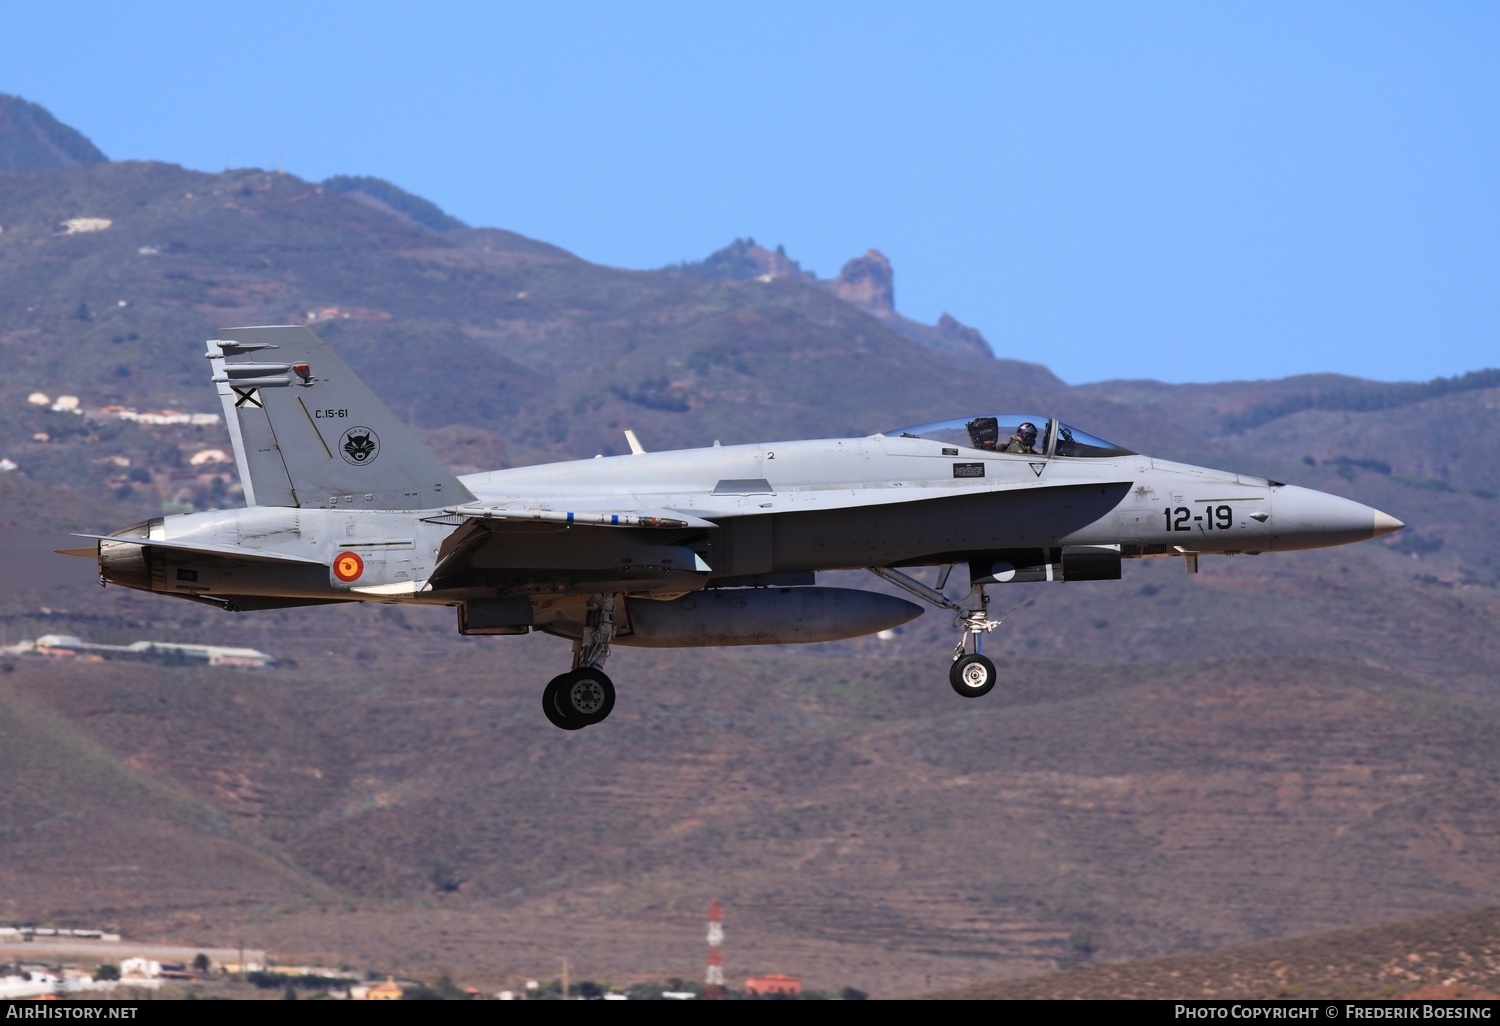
[
  {"x": 1024, "y": 440},
  {"x": 984, "y": 432}
]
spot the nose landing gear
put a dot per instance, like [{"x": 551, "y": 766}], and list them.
[
  {"x": 972, "y": 674},
  {"x": 585, "y": 695}
]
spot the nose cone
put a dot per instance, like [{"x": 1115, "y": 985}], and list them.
[
  {"x": 1385, "y": 523},
  {"x": 1302, "y": 518}
]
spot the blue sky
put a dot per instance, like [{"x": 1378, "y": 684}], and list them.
[{"x": 1181, "y": 191}]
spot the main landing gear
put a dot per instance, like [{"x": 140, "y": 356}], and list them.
[
  {"x": 585, "y": 695},
  {"x": 972, "y": 674},
  {"x": 578, "y": 698}
]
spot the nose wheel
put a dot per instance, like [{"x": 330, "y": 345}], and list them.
[{"x": 972, "y": 675}]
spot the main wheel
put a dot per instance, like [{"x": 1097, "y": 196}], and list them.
[
  {"x": 972, "y": 676},
  {"x": 553, "y": 709},
  {"x": 578, "y": 699},
  {"x": 589, "y": 695}
]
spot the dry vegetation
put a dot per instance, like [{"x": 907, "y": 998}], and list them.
[
  {"x": 1280, "y": 745},
  {"x": 1454, "y": 956}
]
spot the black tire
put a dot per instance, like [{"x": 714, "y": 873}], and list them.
[
  {"x": 553, "y": 709},
  {"x": 972, "y": 676},
  {"x": 580, "y": 698}
]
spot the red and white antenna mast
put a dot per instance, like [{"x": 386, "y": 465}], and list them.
[{"x": 713, "y": 978}]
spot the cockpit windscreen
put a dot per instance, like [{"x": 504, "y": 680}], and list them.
[
  {"x": 1014, "y": 433},
  {"x": 1072, "y": 442}
]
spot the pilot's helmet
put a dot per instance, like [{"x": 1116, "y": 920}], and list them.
[{"x": 1027, "y": 432}]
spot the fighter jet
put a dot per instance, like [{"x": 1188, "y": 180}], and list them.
[{"x": 697, "y": 547}]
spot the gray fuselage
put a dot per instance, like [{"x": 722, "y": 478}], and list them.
[{"x": 791, "y": 507}]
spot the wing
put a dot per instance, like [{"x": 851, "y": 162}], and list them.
[
  {"x": 583, "y": 515},
  {"x": 528, "y": 554}
]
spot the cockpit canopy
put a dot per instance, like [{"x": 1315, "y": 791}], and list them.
[{"x": 1016, "y": 433}]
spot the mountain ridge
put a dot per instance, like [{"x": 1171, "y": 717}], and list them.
[
  {"x": 31, "y": 139},
  {"x": 1172, "y": 762}
]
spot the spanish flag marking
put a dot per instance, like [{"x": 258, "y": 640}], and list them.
[{"x": 347, "y": 566}]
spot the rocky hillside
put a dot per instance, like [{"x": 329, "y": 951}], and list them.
[
  {"x": 1449, "y": 957},
  {"x": 1174, "y": 763},
  {"x": 31, "y": 139}
]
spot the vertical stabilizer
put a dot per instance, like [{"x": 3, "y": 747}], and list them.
[{"x": 308, "y": 433}]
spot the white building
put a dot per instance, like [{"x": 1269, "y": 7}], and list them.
[{"x": 79, "y": 225}]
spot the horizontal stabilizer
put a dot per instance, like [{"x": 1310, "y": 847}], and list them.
[
  {"x": 85, "y": 553},
  {"x": 250, "y": 603},
  {"x": 221, "y": 551}
]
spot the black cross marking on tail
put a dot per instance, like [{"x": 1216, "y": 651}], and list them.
[{"x": 246, "y": 395}]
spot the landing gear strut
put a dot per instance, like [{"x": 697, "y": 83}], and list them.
[
  {"x": 585, "y": 695},
  {"x": 971, "y": 674}
]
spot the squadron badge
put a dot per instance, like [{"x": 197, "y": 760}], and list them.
[{"x": 359, "y": 446}]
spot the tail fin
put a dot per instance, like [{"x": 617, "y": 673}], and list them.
[{"x": 308, "y": 433}]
